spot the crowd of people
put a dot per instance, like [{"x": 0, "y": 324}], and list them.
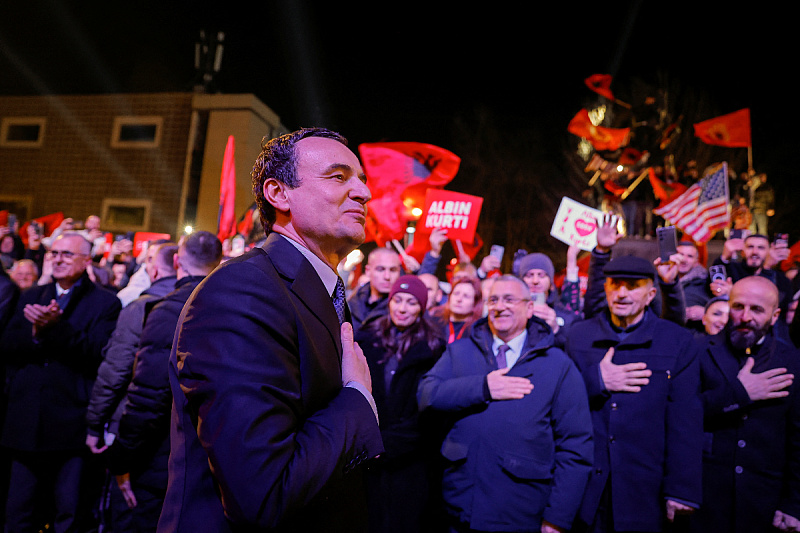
[{"x": 659, "y": 397}]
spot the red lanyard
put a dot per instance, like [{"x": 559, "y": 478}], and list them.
[{"x": 453, "y": 336}]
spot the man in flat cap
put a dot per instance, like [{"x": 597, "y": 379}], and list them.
[{"x": 642, "y": 375}]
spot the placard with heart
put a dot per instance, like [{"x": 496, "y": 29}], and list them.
[{"x": 576, "y": 224}]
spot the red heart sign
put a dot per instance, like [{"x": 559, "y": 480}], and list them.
[{"x": 584, "y": 227}]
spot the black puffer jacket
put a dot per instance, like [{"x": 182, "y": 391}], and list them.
[{"x": 142, "y": 444}]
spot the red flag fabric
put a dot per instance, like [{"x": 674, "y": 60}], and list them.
[
  {"x": 226, "y": 220},
  {"x": 601, "y": 138},
  {"x": 49, "y": 224},
  {"x": 630, "y": 157},
  {"x": 703, "y": 208},
  {"x": 666, "y": 192},
  {"x": 472, "y": 248},
  {"x": 583, "y": 273},
  {"x": 732, "y": 130},
  {"x": 246, "y": 222},
  {"x": 398, "y": 175},
  {"x": 613, "y": 187},
  {"x": 601, "y": 84}
]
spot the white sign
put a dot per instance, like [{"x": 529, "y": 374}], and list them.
[{"x": 576, "y": 224}]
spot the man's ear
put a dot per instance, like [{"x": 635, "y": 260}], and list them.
[
  {"x": 775, "y": 315},
  {"x": 275, "y": 194}
]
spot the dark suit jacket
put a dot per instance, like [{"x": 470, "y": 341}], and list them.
[
  {"x": 751, "y": 455},
  {"x": 49, "y": 379},
  {"x": 264, "y": 436}
]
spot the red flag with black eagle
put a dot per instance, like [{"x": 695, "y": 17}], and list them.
[
  {"x": 398, "y": 174},
  {"x": 732, "y": 130}
]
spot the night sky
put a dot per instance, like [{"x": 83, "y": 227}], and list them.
[{"x": 405, "y": 71}]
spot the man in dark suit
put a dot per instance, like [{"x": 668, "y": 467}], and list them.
[
  {"x": 51, "y": 348},
  {"x": 751, "y": 457},
  {"x": 272, "y": 409}
]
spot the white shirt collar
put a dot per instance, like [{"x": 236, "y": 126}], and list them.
[{"x": 515, "y": 346}]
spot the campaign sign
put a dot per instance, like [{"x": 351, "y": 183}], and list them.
[
  {"x": 141, "y": 237},
  {"x": 456, "y": 212},
  {"x": 576, "y": 224}
]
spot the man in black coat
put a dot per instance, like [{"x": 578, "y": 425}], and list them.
[
  {"x": 756, "y": 261},
  {"x": 138, "y": 458},
  {"x": 273, "y": 411},
  {"x": 114, "y": 373},
  {"x": 751, "y": 460},
  {"x": 642, "y": 376},
  {"x": 51, "y": 348}
]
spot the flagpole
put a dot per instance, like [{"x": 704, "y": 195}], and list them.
[
  {"x": 750, "y": 157},
  {"x": 633, "y": 185},
  {"x": 594, "y": 178}
]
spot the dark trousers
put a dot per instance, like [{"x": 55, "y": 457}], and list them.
[
  {"x": 39, "y": 477},
  {"x": 140, "y": 519}
]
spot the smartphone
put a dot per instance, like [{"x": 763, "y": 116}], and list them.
[
  {"x": 539, "y": 298},
  {"x": 781, "y": 240},
  {"x": 739, "y": 234},
  {"x": 497, "y": 251},
  {"x": 717, "y": 273},
  {"x": 12, "y": 219},
  {"x": 667, "y": 242}
]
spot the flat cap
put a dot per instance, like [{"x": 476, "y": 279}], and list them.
[{"x": 630, "y": 267}]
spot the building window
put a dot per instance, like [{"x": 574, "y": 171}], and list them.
[
  {"x": 22, "y": 132},
  {"x": 17, "y": 205},
  {"x": 137, "y": 132},
  {"x": 126, "y": 214}
]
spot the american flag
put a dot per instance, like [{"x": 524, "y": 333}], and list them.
[{"x": 703, "y": 208}]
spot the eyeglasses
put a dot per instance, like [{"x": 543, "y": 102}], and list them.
[
  {"x": 66, "y": 255},
  {"x": 509, "y": 300}
]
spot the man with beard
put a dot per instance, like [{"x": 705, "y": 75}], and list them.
[
  {"x": 755, "y": 251},
  {"x": 751, "y": 463}
]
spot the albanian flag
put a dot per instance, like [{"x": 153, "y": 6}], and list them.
[
  {"x": 666, "y": 192},
  {"x": 600, "y": 138},
  {"x": 226, "y": 219},
  {"x": 732, "y": 130},
  {"x": 49, "y": 223},
  {"x": 398, "y": 175},
  {"x": 601, "y": 84}
]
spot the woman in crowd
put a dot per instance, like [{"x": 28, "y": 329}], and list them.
[
  {"x": 537, "y": 271},
  {"x": 715, "y": 315},
  {"x": 463, "y": 307},
  {"x": 400, "y": 347}
]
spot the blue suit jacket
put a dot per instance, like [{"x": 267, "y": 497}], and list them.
[{"x": 264, "y": 436}]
